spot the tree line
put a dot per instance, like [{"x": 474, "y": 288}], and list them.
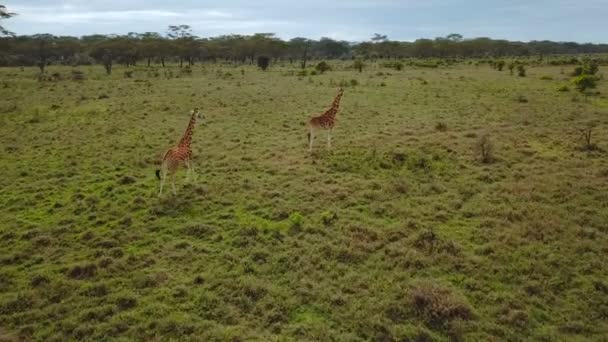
[{"x": 179, "y": 45}]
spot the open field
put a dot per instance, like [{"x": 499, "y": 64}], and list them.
[{"x": 399, "y": 232}]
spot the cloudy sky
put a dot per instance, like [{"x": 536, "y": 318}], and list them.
[{"x": 353, "y": 20}]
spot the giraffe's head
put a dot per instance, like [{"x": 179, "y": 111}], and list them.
[{"x": 198, "y": 115}]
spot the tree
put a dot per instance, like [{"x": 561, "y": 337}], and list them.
[
  {"x": 521, "y": 70},
  {"x": 500, "y": 65},
  {"x": 45, "y": 43},
  {"x": 455, "y": 37},
  {"x": 378, "y": 38},
  {"x": 183, "y": 42},
  {"x": 263, "y": 62},
  {"x": 299, "y": 48},
  {"x": 329, "y": 48},
  {"x": 4, "y": 14},
  {"x": 105, "y": 51},
  {"x": 358, "y": 64}
]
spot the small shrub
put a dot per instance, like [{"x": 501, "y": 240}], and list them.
[
  {"x": 522, "y": 99},
  {"x": 358, "y": 64},
  {"x": 322, "y": 67},
  {"x": 398, "y": 66},
  {"x": 437, "y": 306},
  {"x": 546, "y": 78},
  {"x": 329, "y": 217},
  {"x": 302, "y": 73},
  {"x": 313, "y": 73},
  {"x": 77, "y": 75},
  {"x": 485, "y": 149},
  {"x": 584, "y": 82},
  {"x": 186, "y": 70},
  {"x": 263, "y": 62},
  {"x": 500, "y": 65},
  {"x": 295, "y": 219},
  {"x": 511, "y": 67},
  {"x": 126, "y": 302},
  {"x": 586, "y": 135},
  {"x": 563, "y": 88},
  {"x": 587, "y": 68},
  {"x": 521, "y": 70},
  {"x": 441, "y": 127},
  {"x": 383, "y": 84},
  {"x": 82, "y": 272},
  {"x": 128, "y": 74},
  {"x": 39, "y": 280},
  {"x": 354, "y": 82}
]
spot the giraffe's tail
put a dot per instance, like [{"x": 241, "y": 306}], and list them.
[
  {"x": 158, "y": 174},
  {"x": 308, "y": 135}
]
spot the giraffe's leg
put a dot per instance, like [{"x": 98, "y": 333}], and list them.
[
  {"x": 163, "y": 176},
  {"x": 188, "y": 170},
  {"x": 329, "y": 138},
  {"x": 191, "y": 171},
  {"x": 311, "y": 138},
  {"x": 173, "y": 183},
  {"x": 162, "y": 182}
]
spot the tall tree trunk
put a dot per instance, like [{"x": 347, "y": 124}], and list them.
[
  {"x": 42, "y": 65},
  {"x": 148, "y": 62},
  {"x": 304, "y": 57}
]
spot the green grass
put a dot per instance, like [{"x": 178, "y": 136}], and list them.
[{"x": 400, "y": 232}]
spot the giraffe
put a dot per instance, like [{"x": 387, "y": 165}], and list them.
[
  {"x": 325, "y": 121},
  {"x": 178, "y": 154}
]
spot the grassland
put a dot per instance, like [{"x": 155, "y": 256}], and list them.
[{"x": 399, "y": 233}]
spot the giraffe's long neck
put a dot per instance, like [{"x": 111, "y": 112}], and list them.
[
  {"x": 335, "y": 105},
  {"x": 187, "y": 137}
]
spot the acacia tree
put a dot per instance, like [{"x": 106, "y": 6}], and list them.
[
  {"x": 184, "y": 42},
  {"x": 5, "y": 14}
]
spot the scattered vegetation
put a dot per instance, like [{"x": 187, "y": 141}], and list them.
[
  {"x": 521, "y": 70},
  {"x": 485, "y": 149},
  {"x": 270, "y": 242}
]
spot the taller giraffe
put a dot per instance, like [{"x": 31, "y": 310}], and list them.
[
  {"x": 325, "y": 121},
  {"x": 178, "y": 154}
]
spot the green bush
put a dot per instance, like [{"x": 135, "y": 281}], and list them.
[
  {"x": 322, "y": 67},
  {"x": 511, "y": 67},
  {"x": 521, "y": 70},
  {"x": 263, "y": 62},
  {"x": 358, "y": 64},
  {"x": 295, "y": 219},
  {"x": 584, "y": 82},
  {"x": 500, "y": 65},
  {"x": 587, "y": 68}
]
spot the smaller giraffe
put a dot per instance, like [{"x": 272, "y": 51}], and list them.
[
  {"x": 325, "y": 121},
  {"x": 178, "y": 155}
]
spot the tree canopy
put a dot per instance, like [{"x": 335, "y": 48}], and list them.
[
  {"x": 180, "y": 44},
  {"x": 5, "y": 14}
]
